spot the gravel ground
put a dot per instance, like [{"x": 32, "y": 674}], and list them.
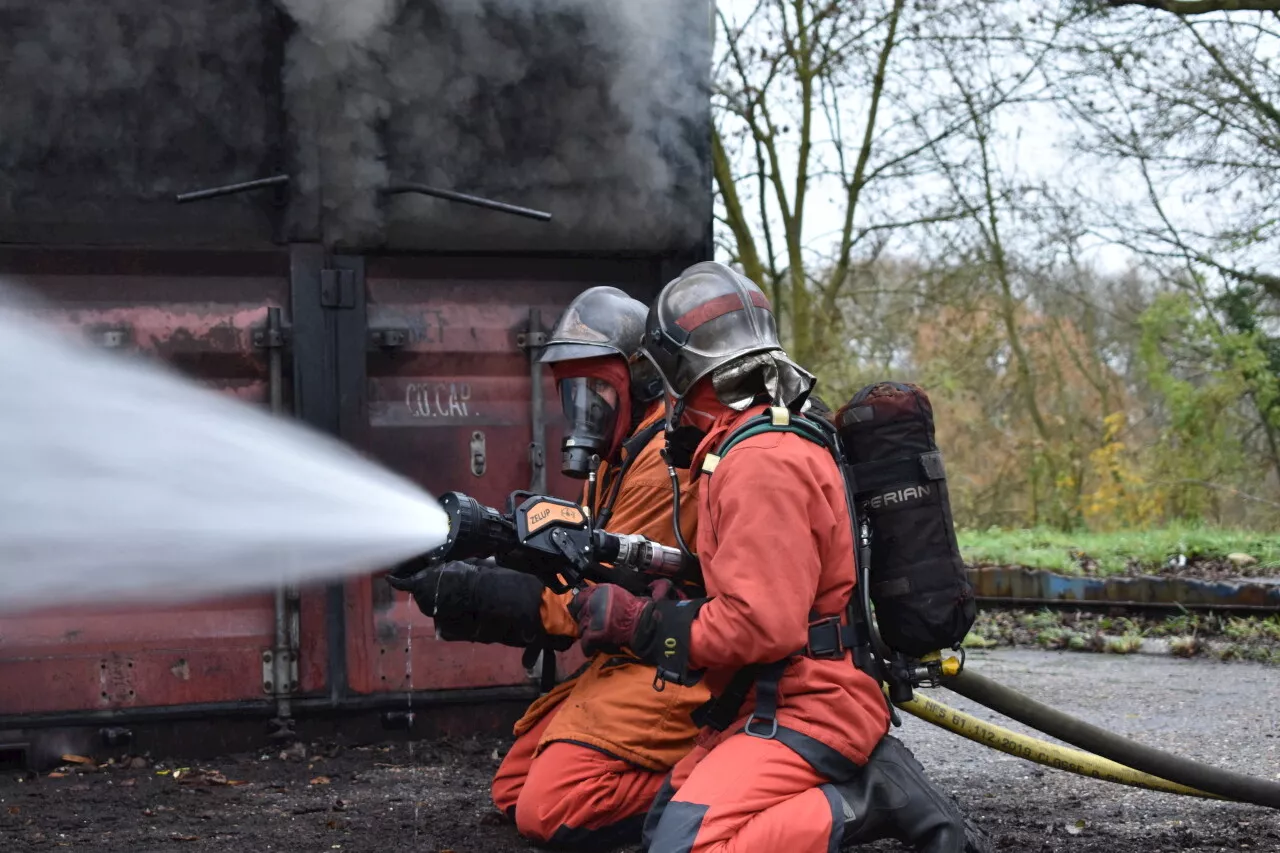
[
  {"x": 433, "y": 796},
  {"x": 1224, "y": 714}
]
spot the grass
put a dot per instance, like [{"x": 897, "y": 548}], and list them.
[
  {"x": 1187, "y": 635},
  {"x": 1125, "y": 644},
  {"x": 1112, "y": 553}
]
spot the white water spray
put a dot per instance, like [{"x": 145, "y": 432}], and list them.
[{"x": 120, "y": 481}]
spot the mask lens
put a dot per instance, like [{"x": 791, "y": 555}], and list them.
[
  {"x": 591, "y": 407},
  {"x": 589, "y": 404}
]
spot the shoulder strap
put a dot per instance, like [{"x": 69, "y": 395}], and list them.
[
  {"x": 639, "y": 440},
  {"x": 777, "y": 419},
  {"x": 630, "y": 449}
]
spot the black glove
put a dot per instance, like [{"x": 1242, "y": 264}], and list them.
[
  {"x": 424, "y": 581},
  {"x": 478, "y": 604}
]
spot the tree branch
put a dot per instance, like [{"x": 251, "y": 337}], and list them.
[
  {"x": 858, "y": 181},
  {"x": 1208, "y": 485},
  {"x": 734, "y": 215},
  {"x": 1259, "y": 103},
  {"x": 1201, "y": 7}
]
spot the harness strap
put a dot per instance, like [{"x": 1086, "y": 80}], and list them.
[
  {"x": 720, "y": 712},
  {"x": 763, "y": 722},
  {"x": 778, "y": 419},
  {"x": 829, "y": 639},
  {"x": 630, "y": 449},
  {"x": 547, "y": 675}
]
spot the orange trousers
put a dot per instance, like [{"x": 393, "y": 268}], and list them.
[
  {"x": 746, "y": 795},
  {"x": 571, "y": 795}
]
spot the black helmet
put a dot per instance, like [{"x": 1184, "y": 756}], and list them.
[
  {"x": 604, "y": 321},
  {"x": 600, "y": 321},
  {"x": 707, "y": 317}
]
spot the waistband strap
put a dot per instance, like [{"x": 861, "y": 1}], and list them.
[{"x": 828, "y": 640}]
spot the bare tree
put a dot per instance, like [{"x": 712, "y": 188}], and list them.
[
  {"x": 1201, "y": 7},
  {"x": 818, "y": 154},
  {"x": 871, "y": 178},
  {"x": 1190, "y": 110}
]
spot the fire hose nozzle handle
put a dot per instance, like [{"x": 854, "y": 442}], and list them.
[{"x": 405, "y": 576}]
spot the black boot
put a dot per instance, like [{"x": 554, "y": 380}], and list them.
[{"x": 892, "y": 798}]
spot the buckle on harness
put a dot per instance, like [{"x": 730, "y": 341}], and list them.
[
  {"x": 826, "y": 639},
  {"x": 764, "y": 735}
]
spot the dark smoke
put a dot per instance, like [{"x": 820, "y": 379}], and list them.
[
  {"x": 336, "y": 90},
  {"x": 109, "y": 107},
  {"x": 596, "y": 110}
]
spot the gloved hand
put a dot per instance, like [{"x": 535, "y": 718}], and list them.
[
  {"x": 425, "y": 585},
  {"x": 609, "y": 617},
  {"x": 478, "y": 604}
]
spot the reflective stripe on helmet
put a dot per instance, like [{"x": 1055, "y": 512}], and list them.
[{"x": 718, "y": 307}]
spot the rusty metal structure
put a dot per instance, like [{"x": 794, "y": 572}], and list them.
[
  {"x": 1020, "y": 587},
  {"x": 402, "y": 314}
]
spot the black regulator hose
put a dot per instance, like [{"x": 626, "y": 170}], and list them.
[
  {"x": 1175, "y": 768},
  {"x": 691, "y": 557}
]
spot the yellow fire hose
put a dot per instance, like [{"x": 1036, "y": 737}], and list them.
[{"x": 1039, "y": 751}]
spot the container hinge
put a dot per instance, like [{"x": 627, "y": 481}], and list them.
[
  {"x": 479, "y": 459},
  {"x": 111, "y": 337},
  {"x": 393, "y": 338},
  {"x": 531, "y": 340},
  {"x": 337, "y": 288},
  {"x": 279, "y": 672},
  {"x": 265, "y": 338}
]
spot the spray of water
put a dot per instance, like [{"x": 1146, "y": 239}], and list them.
[{"x": 120, "y": 481}]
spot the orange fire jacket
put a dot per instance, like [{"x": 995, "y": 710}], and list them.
[
  {"x": 611, "y": 705},
  {"x": 776, "y": 547}
]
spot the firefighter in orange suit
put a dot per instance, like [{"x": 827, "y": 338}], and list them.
[
  {"x": 590, "y": 754},
  {"x": 789, "y": 765}
]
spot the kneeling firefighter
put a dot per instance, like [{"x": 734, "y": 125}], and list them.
[
  {"x": 794, "y": 754},
  {"x": 590, "y": 754}
]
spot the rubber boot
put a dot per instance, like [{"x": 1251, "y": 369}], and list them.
[{"x": 892, "y": 798}]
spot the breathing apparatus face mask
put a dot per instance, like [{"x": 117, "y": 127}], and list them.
[
  {"x": 683, "y": 435},
  {"x": 591, "y": 407}
]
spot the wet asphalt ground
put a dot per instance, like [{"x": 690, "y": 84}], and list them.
[
  {"x": 1226, "y": 714},
  {"x": 432, "y": 796}
]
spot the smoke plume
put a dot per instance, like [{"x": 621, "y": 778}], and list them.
[
  {"x": 596, "y": 110},
  {"x": 112, "y": 106},
  {"x": 336, "y": 91}
]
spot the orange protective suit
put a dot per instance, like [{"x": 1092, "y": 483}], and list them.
[
  {"x": 590, "y": 755},
  {"x": 777, "y": 552}
]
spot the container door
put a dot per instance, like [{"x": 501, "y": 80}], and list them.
[
  {"x": 450, "y": 403},
  {"x": 203, "y": 313}
]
